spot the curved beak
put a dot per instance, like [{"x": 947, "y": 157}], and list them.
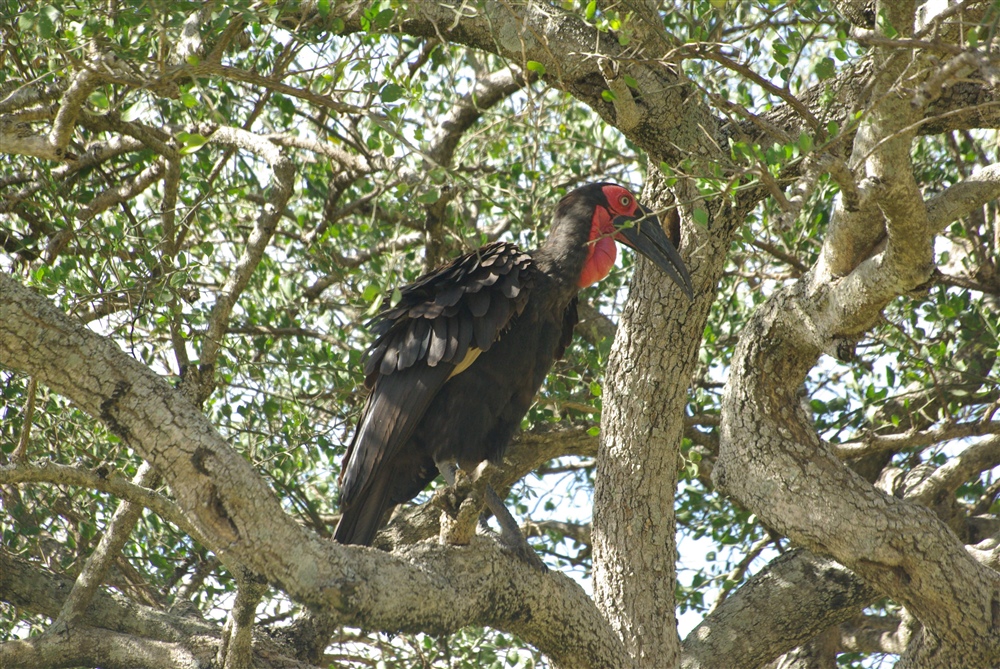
[{"x": 645, "y": 234}]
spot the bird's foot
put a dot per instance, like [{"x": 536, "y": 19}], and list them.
[
  {"x": 519, "y": 548},
  {"x": 511, "y": 540},
  {"x": 460, "y": 504}
]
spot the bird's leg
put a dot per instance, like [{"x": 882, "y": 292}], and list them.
[
  {"x": 459, "y": 504},
  {"x": 449, "y": 470},
  {"x": 510, "y": 533},
  {"x": 453, "y": 529}
]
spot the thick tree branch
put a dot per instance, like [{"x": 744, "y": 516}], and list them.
[
  {"x": 42, "y": 593},
  {"x": 769, "y": 451},
  {"x": 669, "y": 127},
  {"x": 874, "y": 634},
  {"x": 964, "y": 197},
  {"x": 98, "y": 479},
  {"x": 791, "y": 600},
  {"x": 964, "y": 467},
  {"x": 912, "y": 438},
  {"x": 529, "y": 451},
  {"x": 236, "y": 650},
  {"x": 97, "y": 647},
  {"x": 84, "y": 81},
  {"x": 424, "y": 588}
]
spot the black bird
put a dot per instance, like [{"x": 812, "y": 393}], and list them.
[{"x": 456, "y": 363}]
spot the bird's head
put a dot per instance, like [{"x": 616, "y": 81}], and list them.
[{"x": 618, "y": 216}]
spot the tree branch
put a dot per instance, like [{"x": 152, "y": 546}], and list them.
[
  {"x": 108, "y": 548},
  {"x": 912, "y": 438},
  {"x": 84, "y": 82},
  {"x": 201, "y": 382},
  {"x": 40, "y": 592},
  {"x": 964, "y": 467},
  {"x": 790, "y": 601},
  {"x": 99, "y": 479},
  {"x": 425, "y": 587},
  {"x": 97, "y": 647}
]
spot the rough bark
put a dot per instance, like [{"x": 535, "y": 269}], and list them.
[
  {"x": 800, "y": 594},
  {"x": 239, "y": 518},
  {"x": 652, "y": 360},
  {"x": 771, "y": 458}
]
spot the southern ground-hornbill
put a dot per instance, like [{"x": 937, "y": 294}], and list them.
[{"x": 457, "y": 361}]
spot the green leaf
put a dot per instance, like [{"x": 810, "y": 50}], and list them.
[
  {"x": 700, "y": 215},
  {"x": 535, "y": 66},
  {"x": 825, "y": 68},
  {"x": 47, "y": 19},
  {"x": 805, "y": 143},
  {"x": 384, "y": 18},
  {"x": 133, "y": 112},
  {"x": 631, "y": 82},
  {"x": 376, "y": 305},
  {"x": 191, "y": 141},
  {"x": 591, "y": 10},
  {"x": 99, "y": 100},
  {"x": 391, "y": 92},
  {"x": 780, "y": 52},
  {"x": 429, "y": 196},
  {"x": 609, "y": 96}
]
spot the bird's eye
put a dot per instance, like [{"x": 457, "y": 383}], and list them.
[{"x": 625, "y": 200}]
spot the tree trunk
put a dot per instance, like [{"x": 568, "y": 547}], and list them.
[{"x": 648, "y": 373}]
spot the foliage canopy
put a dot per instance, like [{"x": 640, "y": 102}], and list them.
[{"x": 228, "y": 192}]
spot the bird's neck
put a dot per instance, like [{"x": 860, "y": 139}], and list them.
[{"x": 565, "y": 252}]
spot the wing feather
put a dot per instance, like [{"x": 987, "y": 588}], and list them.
[
  {"x": 438, "y": 341},
  {"x": 442, "y": 320},
  {"x": 393, "y": 410},
  {"x": 479, "y": 302}
]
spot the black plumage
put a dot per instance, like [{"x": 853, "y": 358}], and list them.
[{"x": 457, "y": 361}]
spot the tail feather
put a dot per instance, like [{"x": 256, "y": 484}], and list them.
[{"x": 362, "y": 520}]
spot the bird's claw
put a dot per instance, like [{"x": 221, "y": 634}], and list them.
[
  {"x": 460, "y": 504},
  {"x": 518, "y": 547}
]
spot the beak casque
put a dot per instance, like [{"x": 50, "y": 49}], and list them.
[{"x": 645, "y": 234}]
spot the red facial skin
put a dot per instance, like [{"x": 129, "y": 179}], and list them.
[{"x": 602, "y": 251}]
